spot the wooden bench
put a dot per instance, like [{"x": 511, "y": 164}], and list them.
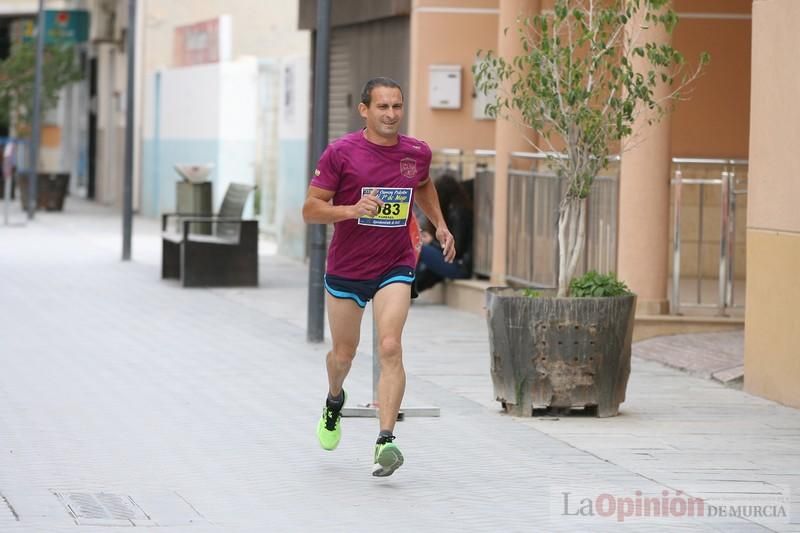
[{"x": 227, "y": 257}]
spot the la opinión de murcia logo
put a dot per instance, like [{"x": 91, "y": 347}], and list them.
[{"x": 679, "y": 505}]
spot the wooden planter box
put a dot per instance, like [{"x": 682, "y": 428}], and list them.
[
  {"x": 51, "y": 189},
  {"x": 559, "y": 353}
]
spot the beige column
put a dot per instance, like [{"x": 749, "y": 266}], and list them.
[
  {"x": 772, "y": 321},
  {"x": 507, "y": 138},
  {"x": 643, "y": 245}
]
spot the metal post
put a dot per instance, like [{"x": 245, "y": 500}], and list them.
[
  {"x": 317, "y": 232},
  {"x": 676, "y": 243},
  {"x": 371, "y": 410},
  {"x": 7, "y": 151},
  {"x": 699, "y": 287},
  {"x": 33, "y": 175},
  {"x": 723, "y": 241},
  {"x": 6, "y": 197},
  {"x": 729, "y": 297},
  {"x": 127, "y": 190}
]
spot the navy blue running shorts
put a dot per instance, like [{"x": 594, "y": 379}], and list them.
[{"x": 362, "y": 291}]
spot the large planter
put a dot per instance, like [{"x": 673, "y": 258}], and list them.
[
  {"x": 559, "y": 353},
  {"x": 50, "y": 190}
]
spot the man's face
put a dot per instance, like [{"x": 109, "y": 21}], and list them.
[{"x": 384, "y": 112}]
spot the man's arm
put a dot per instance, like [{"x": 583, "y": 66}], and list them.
[
  {"x": 318, "y": 209},
  {"x": 428, "y": 200}
]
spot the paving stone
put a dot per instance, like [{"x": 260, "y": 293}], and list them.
[{"x": 201, "y": 405}]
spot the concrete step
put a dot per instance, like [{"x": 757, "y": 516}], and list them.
[{"x": 648, "y": 326}]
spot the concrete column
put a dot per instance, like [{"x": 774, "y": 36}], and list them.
[
  {"x": 772, "y": 323},
  {"x": 643, "y": 246},
  {"x": 507, "y": 138}
]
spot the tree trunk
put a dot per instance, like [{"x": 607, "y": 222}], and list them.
[
  {"x": 571, "y": 239},
  {"x": 563, "y": 246},
  {"x": 580, "y": 237}
]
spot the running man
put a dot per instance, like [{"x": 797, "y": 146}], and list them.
[{"x": 366, "y": 183}]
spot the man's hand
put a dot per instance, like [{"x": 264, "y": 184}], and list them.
[
  {"x": 369, "y": 205},
  {"x": 444, "y": 236}
]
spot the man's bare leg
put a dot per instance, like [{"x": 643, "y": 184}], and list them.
[
  {"x": 391, "y": 306},
  {"x": 391, "y": 309},
  {"x": 344, "y": 318}
]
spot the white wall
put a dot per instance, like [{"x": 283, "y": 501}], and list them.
[
  {"x": 204, "y": 114},
  {"x": 190, "y": 98},
  {"x": 238, "y": 105}
]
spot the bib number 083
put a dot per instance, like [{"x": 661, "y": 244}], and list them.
[{"x": 391, "y": 209}]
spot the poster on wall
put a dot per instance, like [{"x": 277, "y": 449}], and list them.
[{"x": 207, "y": 41}]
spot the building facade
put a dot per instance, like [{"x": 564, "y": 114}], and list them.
[
  {"x": 714, "y": 123},
  {"x": 210, "y": 83},
  {"x": 64, "y": 137}
]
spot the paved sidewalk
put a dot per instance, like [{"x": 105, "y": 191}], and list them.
[
  {"x": 128, "y": 400},
  {"x": 719, "y": 356}
]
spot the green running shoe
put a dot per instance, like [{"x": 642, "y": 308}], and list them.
[
  {"x": 329, "y": 429},
  {"x": 388, "y": 458}
]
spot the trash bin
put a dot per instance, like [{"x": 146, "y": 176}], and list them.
[
  {"x": 193, "y": 195},
  {"x": 195, "y": 199}
]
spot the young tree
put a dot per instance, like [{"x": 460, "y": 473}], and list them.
[
  {"x": 577, "y": 89},
  {"x": 17, "y": 80}
]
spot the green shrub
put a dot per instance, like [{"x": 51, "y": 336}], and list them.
[{"x": 594, "y": 285}]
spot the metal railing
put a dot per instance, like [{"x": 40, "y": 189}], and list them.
[
  {"x": 730, "y": 175},
  {"x": 476, "y": 170},
  {"x": 534, "y": 196},
  {"x": 448, "y": 161},
  {"x": 483, "y": 211}
]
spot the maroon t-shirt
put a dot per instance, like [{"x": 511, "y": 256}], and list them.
[{"x": 351, "y": 166}]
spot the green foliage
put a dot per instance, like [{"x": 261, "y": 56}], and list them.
[
  {"x": 17, "y": 74},
  {"x": 576, "y": 84},
  {"x": 594, "y": 285},
  {"x": 586, "y": 76},
  {"x": 531, "y": 293}
]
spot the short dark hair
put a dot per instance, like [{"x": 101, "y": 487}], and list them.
[{"x": 366, "y": 93}]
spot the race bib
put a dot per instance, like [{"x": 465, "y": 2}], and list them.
[{"x": 396, "y": 205}]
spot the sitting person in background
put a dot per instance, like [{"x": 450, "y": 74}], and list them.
[{"x": 457, "y": 210}]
